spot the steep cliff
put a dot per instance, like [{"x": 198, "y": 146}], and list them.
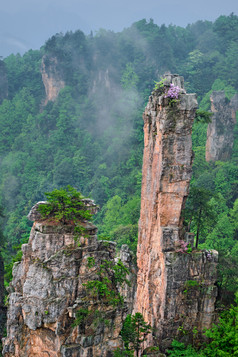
[
  {"x": 50, "y": 312},
  {"x": 165, "y": 295},
  {"x": 51, "y": 78},
  {"x": 220, "y": 135}
]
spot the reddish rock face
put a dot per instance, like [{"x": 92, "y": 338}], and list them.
[
  {"x": 167, "y": 169},
  {"x": 220, "y": 135},
  {"x": 51, "y": 78}
]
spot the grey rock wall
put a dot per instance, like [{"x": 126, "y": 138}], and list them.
[
  {"x": 220, "y": 136},
  {"x": 47, "y": 291}
]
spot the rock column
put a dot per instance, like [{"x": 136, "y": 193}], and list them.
[
  {"x": 220, "y": 136},
  {"x": 167, "y": 167}
]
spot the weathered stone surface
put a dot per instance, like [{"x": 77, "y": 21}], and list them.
[
  {"x": 220, "y": 135},
  {"x": 34, "y": 214},
  {"x": 47, "y": 291},
  {"x": 52, "y": 78},
  {"x": 162, "y": 270}
]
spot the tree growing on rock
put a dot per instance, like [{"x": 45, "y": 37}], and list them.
[
  {"x": 198, "y": 210},
  {"x": 134, "y": 332},
  {"x": 65, "y": 205}
]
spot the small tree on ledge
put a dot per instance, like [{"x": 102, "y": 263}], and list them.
[
  {"x": 134, "y": 332},
  {"x": 65, "y": 205}
]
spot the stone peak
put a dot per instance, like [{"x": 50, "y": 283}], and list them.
[{"x": 173, "y": 79}]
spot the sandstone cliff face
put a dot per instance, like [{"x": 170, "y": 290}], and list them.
[
  {"x": 220, "y": 135},
  {"x": 51, "y": 78},
  {"x": 163, "y": 271},
  {"x": 47, "y": 291}
]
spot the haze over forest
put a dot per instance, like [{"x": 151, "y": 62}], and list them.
[
  {"x": 71, "y": 114},
  {"x": 26, "y": 25}
]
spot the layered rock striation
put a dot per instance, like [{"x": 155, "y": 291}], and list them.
[
  {"x": 220, "y": 136},
  {"x": 164, "y": 269},
  {"x": 48, "y": 295}
]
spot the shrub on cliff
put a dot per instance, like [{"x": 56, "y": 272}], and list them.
[
  {"x": 65, "y": 205},
  {"x": 223, "y": 338}
]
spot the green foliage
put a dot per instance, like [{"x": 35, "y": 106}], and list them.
[
  {"x": 203, "y": 116},
  {"x": 123, "y": 353},
  {"x": 181, "y": 350},
  {"x": 129, "y": 78},
  {"x": 224, "y": 336},
  {"x": 199, "y": 210},
  {"x": 120, "y": 221},
  {"x": 159, "y": 86},
  {"x": 134, "y": 332},
  {"x": 64, "y": 205},
  {"x": 191, "y": 283},
  {"x": 91, "y": 262},
  {"x": 104, "y": 291},
  {"x": 24, "y": 72},
  {"x": 80, "y": 317},
  {"x": 126, "y": 234},
  {"x": 106, "y": 288}
]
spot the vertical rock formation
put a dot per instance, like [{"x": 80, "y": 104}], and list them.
[
  {"x": 51, "y": 78},
  {"x": 165, "y": 270},
  {"x": 220, "y": 135},
  {"x": 47, "y": 293}
]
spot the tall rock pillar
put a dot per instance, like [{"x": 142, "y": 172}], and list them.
[
  {"x": 163, "y": 268},
  {"x": 220, "y": 136}
]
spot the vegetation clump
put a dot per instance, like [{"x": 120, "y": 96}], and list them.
[
  {"x": 104, "y": 291},
  {"x": 222, "y": 338},
  {"x": 169, "y": 91},
  {"x": 134, "y": 332},
  {"x": 64, "y": 205}
]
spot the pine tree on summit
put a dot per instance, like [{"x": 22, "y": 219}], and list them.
[{"x": 65, "y": 205}]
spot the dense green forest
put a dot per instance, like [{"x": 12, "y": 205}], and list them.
[{"x": 91, "y": 136}]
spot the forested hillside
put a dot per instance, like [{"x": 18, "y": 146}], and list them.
[{"x": 91, "y": 135}]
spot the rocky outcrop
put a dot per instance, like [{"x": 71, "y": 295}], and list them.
[
  {"x": 52, "y": 78},
  {"x": 48, "y": 295},
  {"x": 220, "y": 136},
  {"x": 103, "y": 80},
  {"x": 165, "y": 295}
]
